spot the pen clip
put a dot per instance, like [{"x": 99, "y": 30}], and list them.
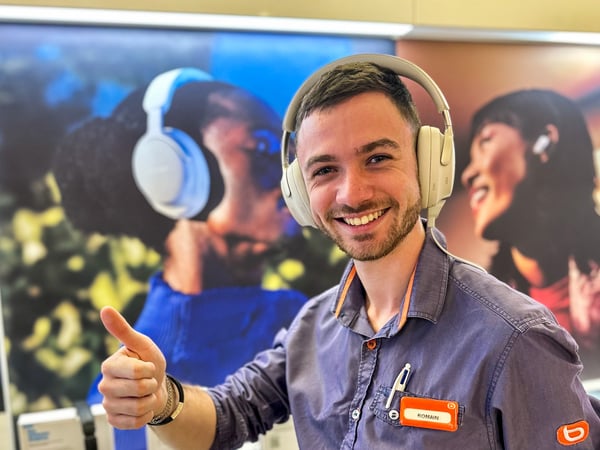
[{"x": 399, "y": 384}]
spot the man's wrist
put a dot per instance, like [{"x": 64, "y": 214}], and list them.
[{"x": 174, "y": 403}]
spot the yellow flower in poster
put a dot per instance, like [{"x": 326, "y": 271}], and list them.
[
  {"x": 33, "y": 251},
  {"x": 52, "y": 216},
  {"x": 76, "y": 263},
  {"x": 73, "y": 361},
  {"x": 103, "y": 292},
  {"x": 41, "y": 331},
  {"x": 70, "y": 325},
  {"x": 26, "y": 226},
  {"x": 291, "y": 269}
]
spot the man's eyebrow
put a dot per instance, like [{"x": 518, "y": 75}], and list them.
[
  {"x": 383, "y": 142},
  {"x": 318, "y": 160}
]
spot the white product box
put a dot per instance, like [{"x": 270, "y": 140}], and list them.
[{"x": 61, "y": 429}]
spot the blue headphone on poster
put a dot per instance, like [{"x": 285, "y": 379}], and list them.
[{"x": 169, "y": 168}]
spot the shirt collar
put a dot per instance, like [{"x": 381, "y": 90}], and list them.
[{"x": 428, "y": 294}]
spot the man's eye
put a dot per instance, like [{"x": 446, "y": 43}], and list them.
[
  {"x": 322, "y": 171},
  {"x": 378, "y": 158}
]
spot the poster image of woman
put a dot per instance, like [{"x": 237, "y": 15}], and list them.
[{"x": 530, "y": 182}]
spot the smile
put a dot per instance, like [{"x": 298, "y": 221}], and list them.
[
  {"x": 363, "y": 220},
  {"x": 477, "y": 197}
]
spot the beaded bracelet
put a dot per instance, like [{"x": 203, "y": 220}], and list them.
[{"x": 165, "y": 417}]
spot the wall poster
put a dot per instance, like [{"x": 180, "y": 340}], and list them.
[{"x": 77, "y": 234}]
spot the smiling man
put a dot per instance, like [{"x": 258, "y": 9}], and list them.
[{"x": 413, "y": 349}]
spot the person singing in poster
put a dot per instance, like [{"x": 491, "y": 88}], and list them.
[{"x": 530, "y": 181}]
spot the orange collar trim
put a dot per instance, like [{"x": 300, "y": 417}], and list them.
[
  {"x": 351, "y": 276},
  {"x": 405, "y": 302}
]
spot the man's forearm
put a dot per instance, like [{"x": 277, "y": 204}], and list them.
[{"x": 195, "y": 427}]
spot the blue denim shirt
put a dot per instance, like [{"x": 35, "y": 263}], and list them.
[{"x": 496, "y": 356}]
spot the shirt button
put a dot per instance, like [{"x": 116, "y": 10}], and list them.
[
  {"x": 371, "y": 344},
  {"x": 355, "y": 414}
]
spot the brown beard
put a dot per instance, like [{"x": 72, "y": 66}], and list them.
[{"x": 369, "y": 252}]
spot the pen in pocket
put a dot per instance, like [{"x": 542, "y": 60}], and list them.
[{"x": 399, "y": 384}]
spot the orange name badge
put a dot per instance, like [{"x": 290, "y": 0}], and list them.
[{"x": 429, "y": 413}]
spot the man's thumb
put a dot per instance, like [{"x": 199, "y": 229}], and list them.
[{"x": 135, "y": 342}]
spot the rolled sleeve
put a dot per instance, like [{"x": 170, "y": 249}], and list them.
[{"x": 253, "y": 399}]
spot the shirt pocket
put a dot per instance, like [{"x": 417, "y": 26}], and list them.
[{"x": 391, "y": 415}]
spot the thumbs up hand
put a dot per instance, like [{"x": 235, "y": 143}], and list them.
[{"x": 133, "y": 378}]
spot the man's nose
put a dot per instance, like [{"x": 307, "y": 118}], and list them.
[{"x": 354, "y": 188}]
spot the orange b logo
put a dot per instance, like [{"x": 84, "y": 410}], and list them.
[{"x": 573, "y": 433}]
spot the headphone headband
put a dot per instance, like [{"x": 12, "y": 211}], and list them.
[
  {"x": 400, "y": 66},
  {"x": 160, "y": 91}
]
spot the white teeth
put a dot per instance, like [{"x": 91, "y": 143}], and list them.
[
  {"x": 477, "y": 197},
  {"x": 356, "y": 221}
]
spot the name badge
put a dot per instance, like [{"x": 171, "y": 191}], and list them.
[{"x": 429, "y": 413}]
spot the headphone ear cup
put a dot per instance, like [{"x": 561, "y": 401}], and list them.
[
  {"x": 175, "y": 159},
  {"x": 296, "y": 196},
  {"x": 435, "y": 177}
]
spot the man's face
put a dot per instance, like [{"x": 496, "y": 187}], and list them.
[
  {"x": 358, "y": 161},
  {"x": 496, "y": 168}
]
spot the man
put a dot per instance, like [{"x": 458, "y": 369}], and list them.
[{"x": 413, "y": 349}]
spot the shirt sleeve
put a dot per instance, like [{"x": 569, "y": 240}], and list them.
[
  {"x": 253, "y": 399},
  {"x": 537, "y": 398}
]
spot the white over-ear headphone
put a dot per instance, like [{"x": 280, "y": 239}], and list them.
[
  {"x": 435, "y": 150},
  {"x": 168, "y": 166}
]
